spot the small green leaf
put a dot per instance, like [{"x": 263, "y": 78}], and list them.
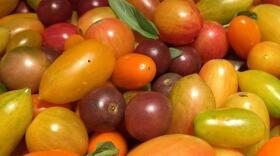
[
  {"x": 148, "y": 87},
  {"x": 249, "y": 14},
  {"x": 175, "y": 52},
  {"x": 105, "y": 149},
  {"x": 134, "y": 18}
]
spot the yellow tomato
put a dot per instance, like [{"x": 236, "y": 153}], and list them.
[{"x": 77, "y": 71}]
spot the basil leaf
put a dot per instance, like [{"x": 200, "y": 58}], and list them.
[
  {"x": 105, "y": 149},
  {"x": 134, "y": 18},
  {"x": 175, "y": 52},
  {"x": 249, "y": 14}
]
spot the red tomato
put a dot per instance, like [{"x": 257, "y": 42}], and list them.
[
  {"x": 243, "y": 34},
  {"x": 271, "y": 148}
]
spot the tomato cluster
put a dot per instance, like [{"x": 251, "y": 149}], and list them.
[{"x": 139, "y": 77}]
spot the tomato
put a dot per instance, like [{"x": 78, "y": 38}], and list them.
[
  {"x": 114, "y": 33},
  {"x": 243, "y": 34},
  {"x": 76, "y": 72},
  {"x": 133, "y": 71},
  {"x": 147, "y": 7},
  {"x": 72, "y": 41},
  {"x": 7, "y": 6},
  {"x": 265, "y": 56},
  {"x": 40, "y": 105},
  {"x": 93, "y": 16},
  {"x": 52, "y": 153},
  {"x": 57, "y": 128},
  {"x": 271, "y": 148}
]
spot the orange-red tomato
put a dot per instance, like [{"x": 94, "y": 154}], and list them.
[
  {"x": 72, "y": 41},
  {"x": 40, "y": 105},
  {"x": 243, "y": 34},
  {"x": 271, "y": 148},
  {"x": 116, "y": 138},
  {"x": 133, "y": 71},
  {"x": 52, "y": 153}
]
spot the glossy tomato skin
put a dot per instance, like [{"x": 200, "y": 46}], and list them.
[
  {"x": 113, "y": 33},
  {"x": 23, "y": 67},
  {"x": 57, "y": 128},
  {"x": 211, "y": 42},
  {"x": 178, "y": 21},
  {"x": 86, "y": 5},
  {"x": 147, "y": 7},
  {"x": 77, "y": 71},
  {"x": 271, "y": 148},
  {"x": 187, "y": 63},
  {"x": 102, "y": 109},
  {"x": 148, "y": 115},
  {"x": 165, "y": 82},
  {"x": 54, "y": 11},
  {"x": 243, "y": 34},
  {"x": 93, "y": 16},
  {"x": 158, "y": 51},
  {"x": 55, "y": 35},
  {"x": 133, "y": 71},
  {"x": 265, "y": 56}
]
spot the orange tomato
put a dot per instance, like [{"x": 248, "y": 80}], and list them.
[
  {"x": 52, "y": 153},
  {"x": 116, "y": 138},
  {"x": 72, "y": 41},
  {"x": 271, "y": 148},
  {"x": 39, "y": 105},
  {"x": 133, "y": 71},
  {"x": 265, "y": 56},
  {"x": 243, "y": 34}
]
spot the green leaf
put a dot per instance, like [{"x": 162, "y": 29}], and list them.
[
  {"x": 134, "y": 18},
  {"x": 105, "y": 149},
  {"x": 175, "y": 52},
  {"x": 249, "y": 14},
  {"x": 148, "y": 87}
]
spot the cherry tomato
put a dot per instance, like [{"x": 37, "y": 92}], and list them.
[
  {"x": 271, "y": 148},
  {"x": 243, "y": 34},
  {"x": 133, "y": 71}
]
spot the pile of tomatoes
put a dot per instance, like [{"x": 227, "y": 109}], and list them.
[{"x": 139, "y": 77}]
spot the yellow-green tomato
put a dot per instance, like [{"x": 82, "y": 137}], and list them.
[
  {"x": 15, "y": 115},
  {"x": 28, "y": 38},
  {"x": 77, "y": 71},
  {"x": 57, "y": 128},
  {"x": 265, "y": 85},
  {"x": 4, "y": 35},
  {"x": 222, "y": 11},
  {"x": 229, "y": 127},
  {"x": 268, "y": 21}
]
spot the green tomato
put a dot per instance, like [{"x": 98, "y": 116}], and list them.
[
  {"x": 222, "y": 11},
  {"x": 265, "y": 85},
  {"x": 15, "y": 115},
  {"x": 229, "y": 127},
  {"x": 269, "y": 21}
]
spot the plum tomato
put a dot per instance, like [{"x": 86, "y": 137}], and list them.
[
  {"x": 133, "y": 71},
  {"x": 102, "y": 109},
  {"x": 55, "y": 35},
  {"x": 158, "y": 51},
  {"x": 54, "y": 11},
  {"x": 113, "y": 33},
  {"x": 148, "y": 115},
  {"x": 243, "y": 33},
  {"x": 86, "y": 5},
  {"x": 212, "y": 42}
]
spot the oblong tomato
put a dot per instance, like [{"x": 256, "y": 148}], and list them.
[
  {"x": 221, "y": 77},
  {"x": 77, "y": 71}
]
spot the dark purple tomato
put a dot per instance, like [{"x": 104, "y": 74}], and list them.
[
  {"x": 86, "y": 5},
  {"x": 52, "y": 54},
  {"x": 165, "y": 82},
  {"x": 188, "y": 63},
  {"x": 102, "y": 109},
  {"x": 148, "y": 115},
  {"x": 22, "y": 7},
  {"x": 23, "y": 67},
  {"x": 54, "y": 11},
  {"x": 56, "y": 35},
  {"x": 158, "y": 51}
]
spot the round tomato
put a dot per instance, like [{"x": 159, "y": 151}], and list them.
[
  {"x": 133, "y": 71},
  {"x": 271, "y": 148},
  {"x": 243, "y": 34}
]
